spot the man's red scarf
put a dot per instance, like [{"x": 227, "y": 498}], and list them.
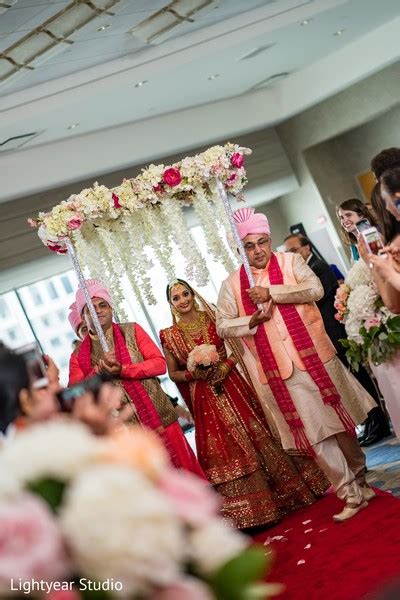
[
  {"x": 306, "y": 349},
  {"x": 148, "y": 416}
]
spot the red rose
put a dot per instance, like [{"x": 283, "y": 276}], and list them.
[
  {"x": 57, "y": 248},
  {"x": 172, "y": 177},
  {"x": 115, "y": 199},
  {"x": 237, "y": 160}
]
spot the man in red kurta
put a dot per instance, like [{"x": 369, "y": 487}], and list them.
[{"x": 132, "y": 362}]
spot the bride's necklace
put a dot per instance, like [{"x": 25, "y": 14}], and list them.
[{"x": 191, "y": 330}]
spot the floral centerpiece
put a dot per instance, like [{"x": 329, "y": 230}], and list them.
[
  {"x": 89, "y": 517},
  {"x": 109, "y": 228},
  {"x": 373, "y": 331}
]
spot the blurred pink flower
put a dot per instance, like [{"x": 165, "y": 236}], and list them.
[
  {"x": 63, "y": 595},
  {"x": 374, "y": 321},
  {"x": 31, "y": 546},
  {"x": 187, "y": 588},
  {"x": 193, "y": 499}
]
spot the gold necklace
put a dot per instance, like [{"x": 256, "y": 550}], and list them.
[{"x": 190, "y": 330}]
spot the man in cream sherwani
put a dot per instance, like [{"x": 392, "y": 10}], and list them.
[{"x": 309, "y": 398}]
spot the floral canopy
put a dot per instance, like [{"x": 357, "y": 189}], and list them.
[{"x": 110, "y": 228}]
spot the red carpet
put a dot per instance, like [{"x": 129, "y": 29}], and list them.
[{"x": 318, "y": 559}]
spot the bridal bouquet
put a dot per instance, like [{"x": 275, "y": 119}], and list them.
[
  {"x": 202, "y": 356},
  {"x": 90, "y": 517},
  {"x": 373, "y": 331}
]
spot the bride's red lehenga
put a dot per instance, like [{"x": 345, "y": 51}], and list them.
[{"x": 258, "y": 481}]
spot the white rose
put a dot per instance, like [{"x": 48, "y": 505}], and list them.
[
  {"x": 118, "y": 525},
  {"x": 58, "y": 449}
]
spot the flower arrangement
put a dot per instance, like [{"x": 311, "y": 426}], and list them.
[
  {"x": 373, "y": 331},
  {"x": 147, "y": 211},
  {"x": 203, "y": 356},
  {"x": 110, "y": 518}
]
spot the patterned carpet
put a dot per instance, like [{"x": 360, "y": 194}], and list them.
[{"x": 383, "y": 462}]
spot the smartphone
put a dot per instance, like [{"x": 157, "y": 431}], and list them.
[
  {"x": 372, "y": 240},
  {"x": 35, "y": 365},
  {"x": 363, "y": 225},
  {"x": 67, "y": 396}
]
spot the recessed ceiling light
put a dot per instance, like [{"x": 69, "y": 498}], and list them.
[
  {"x": 140, "y": 83},
  {"x": 73, "y": 126},
  {"x": 339, "y": 32},
  {"x": 212, "y": 77},
  {"x": 104, "y": 27},
  {"x": 305, "y": 22}
]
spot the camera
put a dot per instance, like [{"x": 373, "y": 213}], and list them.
[
  {"x": 35, "y": 365},
  {"x": 67, "y": 396}
]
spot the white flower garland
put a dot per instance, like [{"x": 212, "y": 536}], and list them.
[{"x": 215, "y": 244}]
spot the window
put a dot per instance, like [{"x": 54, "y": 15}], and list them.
[
  {"x": 35, "y": 295},
  {"x": 3, "y": 309},
  {"x": 67, "y": 284},
  {"x": 51, "y": 290},
  {"x": 62, "y": 315},
  {"x": 12, "y": 334},
  {"x": 55, "y": 342},
  {"x": 46, "y": 321}
]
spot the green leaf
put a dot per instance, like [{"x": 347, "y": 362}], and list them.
[
  {"x": 233, "y": 579},
  {"x": 50, "y": 490}
]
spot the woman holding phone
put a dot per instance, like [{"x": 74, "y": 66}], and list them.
[{"x": 350, "y": 213}]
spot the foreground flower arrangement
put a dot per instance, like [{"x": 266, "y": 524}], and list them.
[
  {"x": 373, "y": 331},
  {"x": 83, "y": 517},
  {"x": 110, "y": 227}
]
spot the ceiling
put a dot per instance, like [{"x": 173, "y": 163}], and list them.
[{"x": 83, "y": 98}]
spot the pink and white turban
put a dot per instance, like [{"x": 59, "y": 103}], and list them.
[
  {"x": 96, "y": 290},
  {"x": 74, "y": 317},
  {"x": 248, "y": 221}
]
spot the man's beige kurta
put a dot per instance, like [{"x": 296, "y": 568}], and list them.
[{"x": 302, "y": 288}]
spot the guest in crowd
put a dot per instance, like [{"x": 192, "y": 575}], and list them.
[
  {"x": 133, "y": 363},
  {"x": 386, "y": 267},
  {"x": 314, "y": 400},
  {"x": 23, "y": 405},
  {"x": 257, "y": 480},
  {"x": 386, "y": 159},
  {"x": 78, "y": 325},
  {"x": 376, "y": 427},
  {"x": 349, "y": 213}
]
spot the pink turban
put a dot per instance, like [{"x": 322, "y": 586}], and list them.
[
  {"x": 96, "y": 290},
  {"x": 248, "y": 221},
  {"x": 74, "y": 317}
]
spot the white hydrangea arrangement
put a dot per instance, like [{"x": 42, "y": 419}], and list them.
[{"x": 373, "y": 331}]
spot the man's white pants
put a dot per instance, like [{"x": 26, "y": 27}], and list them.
[{"x": 343, "y": 462}]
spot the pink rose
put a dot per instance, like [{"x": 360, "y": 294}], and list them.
[
  {"x": 116, "y": 201},
  {"x": 158, "y": 188},
  {"x": 192, "y": 498},
  {"x": 74, "y": 223},
  {"x": 31, "y": 546},
  {"x": 237, "y": 160},
  {"x": 338, "y": 317},
  {"x": 372, "y": 322},
  {"x": 172, "y": 177},
  {"x": 57, "y": 248},
  {"x": 187, "y": 588}
]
